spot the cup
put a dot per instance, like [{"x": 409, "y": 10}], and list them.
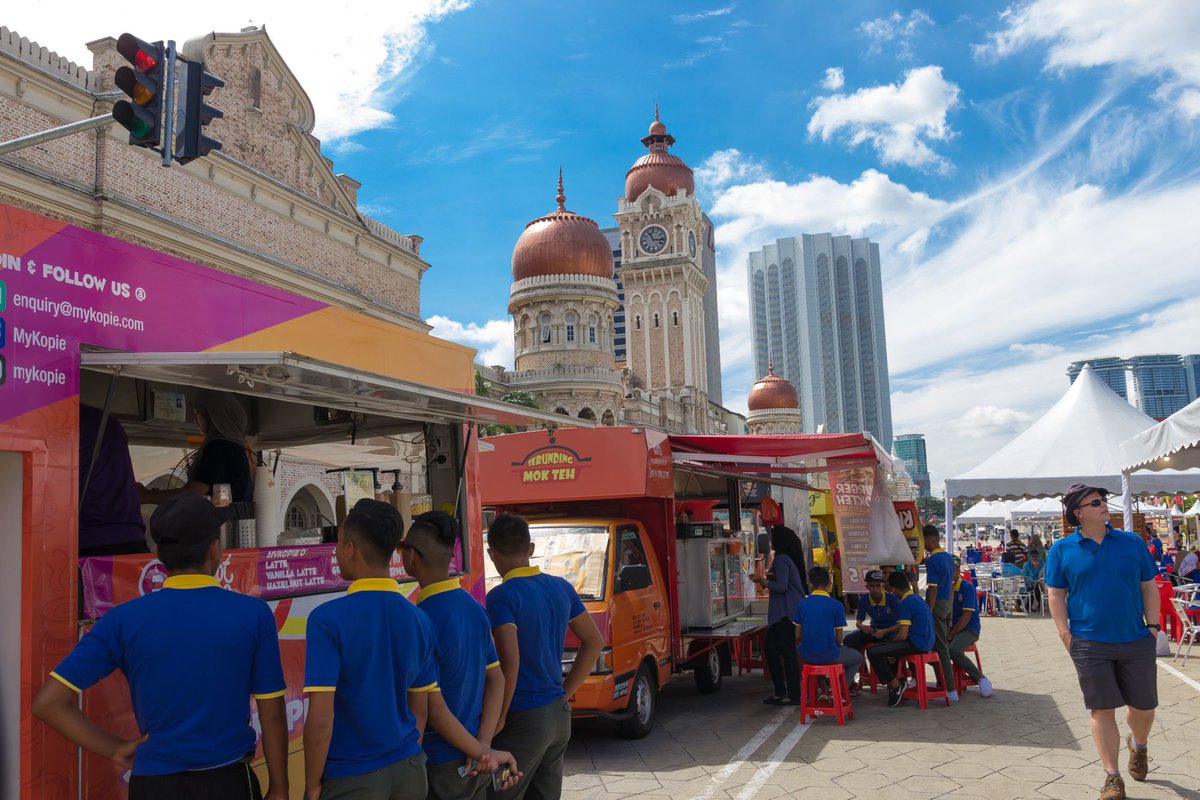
[{"x": 222, "y": 495}]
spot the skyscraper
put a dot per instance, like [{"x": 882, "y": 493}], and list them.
[
  {"x": 1109, "y": 369},
  {"x": 816, "y": 303},
  {"x": 1160, "y": 384},
  {"x": 1191, "y": 368},
  {"x": 911, "y": 448}
]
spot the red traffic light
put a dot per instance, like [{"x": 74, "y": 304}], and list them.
[{"x": 142, "y": 55}]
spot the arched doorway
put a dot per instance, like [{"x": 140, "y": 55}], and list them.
[
  {"x": 588, "y": 414},
  {"x": 309, "y": 508},
  {"x": 608, "y": 419}
]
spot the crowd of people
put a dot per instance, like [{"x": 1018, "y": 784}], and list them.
[{"x": 441, "y": 698}]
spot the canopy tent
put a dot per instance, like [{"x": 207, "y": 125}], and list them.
[
  {"x": 1194, "y": 511},
  {"x": 1172, "y": 444},
  {"x": 1038, "y": 508},
  {"x": 985, "y": 512},
  {"x": 1077, "y": 441}
]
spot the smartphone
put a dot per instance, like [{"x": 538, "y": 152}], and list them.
[
  {"x": 500, "y": 776},
  {"x": 462, "y": 770}
]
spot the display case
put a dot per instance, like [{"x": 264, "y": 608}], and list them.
[{"x": 714, "y": 580}]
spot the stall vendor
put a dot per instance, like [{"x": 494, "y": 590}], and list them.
[
  {"x": 110, "y": 516},
  {"x": 222, "y": 457}
]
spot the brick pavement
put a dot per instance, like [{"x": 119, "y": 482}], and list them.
[{"x": 1030, "y": 740}]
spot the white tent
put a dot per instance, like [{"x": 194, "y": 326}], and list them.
[
  {"x": 985, "y": 512},
  {"x": 1194, "y": 511},
  {"x": 1038, "y": 507},
  {"x": 1173, "y": 443}
]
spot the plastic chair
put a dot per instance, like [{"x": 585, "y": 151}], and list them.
[
  {"x": 961, "y": 679},
  {"x": 865, "y": 673},
  {"x": 914, "y": 666},
  {"x": 839, "y": 705},
  {"x": 1189, "y": 629}
]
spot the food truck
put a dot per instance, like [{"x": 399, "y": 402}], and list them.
[
  {"x": 626, "y": 515},
  {"x": 88, "y": 318}
]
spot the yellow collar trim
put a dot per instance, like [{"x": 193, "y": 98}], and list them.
[
  {"x": 374, "y": 585},
  {"x": 882, "y": 601},
  {"x": 190, "y": 582},
  {"x": 906, "y": 594},
  {"x": 821, "y": 592},
  {"x": 937, "y": 550},
  {"x": 957, "y": 581},
  {"x": 448, "y": 585},
  {"x": 523, "y": 572}
]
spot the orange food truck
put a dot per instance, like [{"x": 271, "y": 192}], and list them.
[
  {"x": 89, "y": 318},
  {"x": 626, "y": 515}
]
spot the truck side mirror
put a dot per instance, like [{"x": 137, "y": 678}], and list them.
[{"x": 633, "y": 576}]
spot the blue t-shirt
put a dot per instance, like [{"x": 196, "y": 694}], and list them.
[
  {"x": 883, "y": 614},
  {"x": 939, "y": 572},
  {"x": 193, "y": 654},
  {"x": 1103, "y": 583},
  {"x": 370, "y": 647},
  {"x": 819, "y": 617},
  {"x": 540, "y": 606},
  {"x": 965, "y": 599},
  {"x": 1157, "y": 546},
  {"x": 465, "y": 652},
  {"x": 915, "y": 613}
]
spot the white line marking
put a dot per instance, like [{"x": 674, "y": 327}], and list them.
[
  {"x": 748, "y": 749},
  {"x": 1190, "y": 682},
  {"x": 772, "y": 764}
]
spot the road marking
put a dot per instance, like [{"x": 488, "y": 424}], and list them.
[
  {"x": 1189, "y": 681},
  {"x": 740, "y": 757},
  {"x": 772, "y": 764}
]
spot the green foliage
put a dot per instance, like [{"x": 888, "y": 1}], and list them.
[{"x": 513, "y": 398}]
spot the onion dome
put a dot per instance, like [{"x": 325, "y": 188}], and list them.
[
  {"x": 658, "y": 168},
  {"x": 772, "y": 391},
  {"x": 562, "y": 243}
]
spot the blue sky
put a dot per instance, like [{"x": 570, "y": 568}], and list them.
[{"x": 1029, "y": 169}]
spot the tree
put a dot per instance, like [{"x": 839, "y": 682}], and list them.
[
  {"x": 931, "y": 508},
  {"x": 513, "y": 398}
]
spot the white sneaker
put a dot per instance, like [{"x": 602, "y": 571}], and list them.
[
  {"x": 985, "y": 687},
  {"x": 953, "y": 696}
]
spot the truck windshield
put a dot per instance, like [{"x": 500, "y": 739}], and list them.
[
  {"x": 577, "y": 553},
  {"x": 817, "y": 542}
]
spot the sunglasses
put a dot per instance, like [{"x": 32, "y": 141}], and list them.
[{"x": 1099, "y": 501}]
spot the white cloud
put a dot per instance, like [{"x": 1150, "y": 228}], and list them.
[
  {"x": 898, "y": 120},
  {"x": 1154, "y": 39},
  {"x": 726, "y": 167},
  {"x": 684, "y": 19},
  {"x": 1037, "y": 349},
  {"x": 896, "y": 31},
  {"x": 353, "y": 72},
  {"x": 985, "y": 421},
  {"x": 493, "y": 339},
  {"x": 834, "y": 79}
]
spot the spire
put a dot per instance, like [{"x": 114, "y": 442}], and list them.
[
  {"x": 656, "y": 119},
  {"x": 561, "y": 199},
  {"x": 771, "y": 367}
]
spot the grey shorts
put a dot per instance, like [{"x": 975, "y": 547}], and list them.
[
  {"x": 1115, "y": 675},
  {"x": 446, "y": 784},
  {"x": 404, "y": 780}
]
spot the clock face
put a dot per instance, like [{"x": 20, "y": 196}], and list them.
[
  {"x": 653, "y": 239},
  {"x": 692, "y": 244}
]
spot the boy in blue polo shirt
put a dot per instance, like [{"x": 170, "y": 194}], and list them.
[
  {"x": 530, "y": 613},
  {"x": 881, "y": 607},
  {"x": 914, "y": 635},
  {"x": 939, "y": 582},
  {"x": 471, "y": 681},
  {"x": 369, "y": 671},
  {"x": 819, "y": 621},
  {"x": 965, "y": 632},
  {"x": 193, "y": 654}
]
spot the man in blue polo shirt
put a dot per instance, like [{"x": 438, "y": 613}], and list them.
[
  {"x": 880, "y": 607},
  {"x": 471, "y": 682},
  {"x": 819, "y": 621},
  {"x": 939, "y": 583},
  {"x": 914, "y": 635},
  {"x": 1105, "y": 603},
  {"x": 193, "y": 654},
  {"x": 965, "y": 632},
  {"x": 530, "y": 613},
  {"x": 369, "y": 670}
]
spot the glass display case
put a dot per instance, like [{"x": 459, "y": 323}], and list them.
[{"x": 714, "y": 579}]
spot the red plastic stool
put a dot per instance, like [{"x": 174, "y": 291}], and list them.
[
  {"x": 866, "y": 675},
  {"x": 840, "y": 706},
  {"x": 914, "y": 666},
  {"x": 961, "y": 679}
]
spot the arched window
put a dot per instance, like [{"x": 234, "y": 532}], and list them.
[
  {"x": 637, "y": 322},
  {"x": 675, "y": 319},
  {"x": 608, "y": 419},
  {"x": 545, "y": 328},
  {"x": 571, "y": 319},
  {"x": 587, "y": 413},
  {"x": 592, "y": 330},
  {"x": 563, "y": 411},
  {"x": 656, "y": 320}
]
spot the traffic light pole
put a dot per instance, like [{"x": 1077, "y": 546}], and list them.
[
  {"x": 169, "y": 104},
  {"x": 55, "y": 133}
]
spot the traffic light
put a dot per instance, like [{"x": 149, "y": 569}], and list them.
[
  {"x": 144, "y": 84},
  {"x": 194, "y": 84}
]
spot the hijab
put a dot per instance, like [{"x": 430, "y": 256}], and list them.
[{"x": 225, "y": 415}]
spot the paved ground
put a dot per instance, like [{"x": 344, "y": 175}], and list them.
[{"x": 1030, "y": 740}]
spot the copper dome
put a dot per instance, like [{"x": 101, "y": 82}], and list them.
[
  {"x": 562, "y": 243},
  {"x": 772, "y": 391},
  {"x": 658, "y": 168}
]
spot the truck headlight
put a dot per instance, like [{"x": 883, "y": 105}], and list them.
[{"x": 604, "y": 663}]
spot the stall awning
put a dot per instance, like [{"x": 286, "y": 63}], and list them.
[
  {"x": 297, "y": 378},
  {"x": 779, "y": 449}
]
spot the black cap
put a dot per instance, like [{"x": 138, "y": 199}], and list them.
[
  {"x": 874, "y": 576},
  {"x": 1071, "y": 497},
  {"x": 187, "y": 518}
]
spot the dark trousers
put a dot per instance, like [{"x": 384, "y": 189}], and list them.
[
  {"x": 782, "y": 661},
  {"x": 537, "y": 738},
  {"x": 858, "y": 640},
  {"x": 233, "y": 782},
  {"x": 883, "y": 657}
]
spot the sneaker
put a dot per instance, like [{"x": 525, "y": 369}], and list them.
[
  {"x": 1114, "y": 788},
  {"x": 1139, "y": 760},
  {"x": 895, "y": 696},
  {"x": 953, "y": 696},
  {"x": 985, "y": 687}
]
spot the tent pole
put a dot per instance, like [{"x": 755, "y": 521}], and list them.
[
  {"x": 950, "y": 523},
  {"x": 1126, "y": 500}
]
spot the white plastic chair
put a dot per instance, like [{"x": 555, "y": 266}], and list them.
[{"x": 1190, "y": 629}]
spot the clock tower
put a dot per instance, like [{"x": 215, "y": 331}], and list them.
[{"x": 661, "y": 228}]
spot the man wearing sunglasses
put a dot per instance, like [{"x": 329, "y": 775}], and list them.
[{"x": 1104, "y": 602}]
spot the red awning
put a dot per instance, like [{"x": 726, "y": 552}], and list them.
[{"x": 781, "y": 448}]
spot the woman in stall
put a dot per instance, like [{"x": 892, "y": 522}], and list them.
[
  {"x": 785, "y": 586},
  {"x": 222, "y": 457}
]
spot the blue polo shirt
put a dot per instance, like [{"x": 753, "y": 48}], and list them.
[
  {"x": 819, "y": 617},
  {"x": 1103, "y": 583},
  {"x": 465, "y": 652},
  {"x": 939, "y": 572},
  {"x": 884, "y": 614},
  {"x": 965, "y": 599},
  {"x": 915, "y": 613},
  {"x": 370, "y": 647},
  {"x": 540, "y": 606},
  {"x": 193, "y": 654}
]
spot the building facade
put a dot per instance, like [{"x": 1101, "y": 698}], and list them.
[
  {"x": 910, "y": 448},
  {"x": 1109, "y": 369},
  {"x": 1157, "y": 384},
  {"x": 816, "y": 306}
]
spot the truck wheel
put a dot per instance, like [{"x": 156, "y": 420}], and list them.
[
  {"x": 643, "y": 703},
  {"x": 707, "y": 670}
]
